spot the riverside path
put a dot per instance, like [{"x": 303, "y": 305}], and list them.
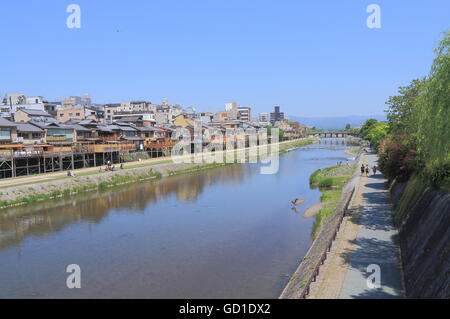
[{"x": 376, "y": 244}]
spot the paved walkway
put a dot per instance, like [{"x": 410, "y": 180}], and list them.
[{"x": 375, "y": 244}]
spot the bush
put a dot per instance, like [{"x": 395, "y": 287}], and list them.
[{"x": 397, "y": 158}]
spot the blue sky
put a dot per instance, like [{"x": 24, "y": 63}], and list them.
[{"x": 314, "y": 58}]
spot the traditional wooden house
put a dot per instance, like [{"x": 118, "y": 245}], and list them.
[
  {"x": 57, "y": 133},
  {"x": 8, "y": 131}
]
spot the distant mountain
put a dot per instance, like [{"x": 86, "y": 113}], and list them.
[{"x": 339, "y": 122}]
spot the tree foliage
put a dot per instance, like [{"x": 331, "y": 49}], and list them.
[{"x": 417, "y": 134}]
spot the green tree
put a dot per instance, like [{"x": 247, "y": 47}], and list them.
[
  {"x": 433, "y": 129},
  {"x": 377, "y": 133},
  {"x": 366, "y": 127},
  {"x": 402, "y": 110}
]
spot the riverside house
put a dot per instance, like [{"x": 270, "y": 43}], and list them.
[
  {"x": 8, "y": 131},
  {"x": 57, "y": 133},
  {"x": 28, "y": 134}
]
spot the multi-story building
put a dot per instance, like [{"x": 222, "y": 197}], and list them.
[
  {"x": 244, "y": 113},
  {"x": 79, "y": 113},
  {"x": 16, "y": 101},
  {"x": 276, "y": 115}
]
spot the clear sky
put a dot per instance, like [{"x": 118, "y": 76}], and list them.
[{"x": 314, "y": 58}]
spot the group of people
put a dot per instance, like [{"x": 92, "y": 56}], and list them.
[
  {"x": 110, "y": 167},
  {"x": 365, "y": 169}
]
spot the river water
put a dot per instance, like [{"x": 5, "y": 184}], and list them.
[{"x": 222, "y": 233}]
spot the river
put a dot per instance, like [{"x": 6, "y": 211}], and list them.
[{"x": 227, "y": 232}]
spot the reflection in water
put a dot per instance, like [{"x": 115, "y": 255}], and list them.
[
  {"x": 228, "y": 232},
  {"x": 44, "y": 217}
]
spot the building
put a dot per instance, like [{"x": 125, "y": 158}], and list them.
[
  {"x": 232, "y": 111},
  {"x": 230, "y": 106},
  {"x": 110, "y": 110},
  {"x": 70, "y": 102},
  {"x": 28, "y": 134},
  {"x": 221, "y": 116},
  {"x": 206, "y": 117},
  {"x": 134, "y": 106},
  {"x": 7, "y": 131},
  {"x": 14, "y": 99},
  {"x": 79, "y": 113},
  {"x": 86, "y": 100},
  {"x": 162, "y": 118},
  {"x": 20, "y": 133},
  {"x": 244, "y": 113},
  {"x": 57, "y": 133},
  {"x": 35, "y": 100},
  {"x": 276, "y": 115},
  {"x": 26, "y": 115},
  {"x": 183, "y": 121},
  {"x": 264, "y": 118}
]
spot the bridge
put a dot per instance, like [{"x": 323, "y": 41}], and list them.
[{"x": 331, "y": 134}]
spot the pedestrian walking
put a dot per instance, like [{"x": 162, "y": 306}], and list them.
[
  {"x": 374, "y": 169},
  {"x": 363, "y": 169},
  {"x": 367, "y": 170}
]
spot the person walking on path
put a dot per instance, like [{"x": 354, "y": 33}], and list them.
[
  {"x": 374, "y": 169},
  {"x": 367, "y": 170},
  {"x": 363, "y": 169}
]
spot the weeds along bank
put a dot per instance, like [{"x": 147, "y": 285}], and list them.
[
  {"x": 95, "y": 180},
  {"x": 423, "y": 217}
]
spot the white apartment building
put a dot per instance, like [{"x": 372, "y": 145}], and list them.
[{"x": 244, "y": 113}]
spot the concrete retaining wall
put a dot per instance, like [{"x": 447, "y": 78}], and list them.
[{"x": 425, "y": 243}]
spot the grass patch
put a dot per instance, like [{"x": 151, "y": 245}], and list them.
[{"x": 330, "y": 181}]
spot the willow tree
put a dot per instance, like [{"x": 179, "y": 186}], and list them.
[{"x": 433, "y": 108}]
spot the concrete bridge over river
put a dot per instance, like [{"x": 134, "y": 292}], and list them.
[{"x": 331, "y": 134}]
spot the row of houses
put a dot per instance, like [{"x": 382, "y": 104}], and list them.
[{"x": 52, "y": 132}]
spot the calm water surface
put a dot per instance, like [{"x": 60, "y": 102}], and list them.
[{"x": 223, "y": 233}]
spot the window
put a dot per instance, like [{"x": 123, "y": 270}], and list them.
[
  {"x": 5, "y": 134},
  {"x": 23, "y": 135},
  {"x": 61, "y": 115},
  {"x": 36, "y": 136},
  {"x": 78, "y": 114}
]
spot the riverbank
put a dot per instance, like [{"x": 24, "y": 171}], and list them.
[
  {"x": 326, "y": 224},
  {"x": 24, "y": 190},
  {"x": 330, "y": 182}
]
